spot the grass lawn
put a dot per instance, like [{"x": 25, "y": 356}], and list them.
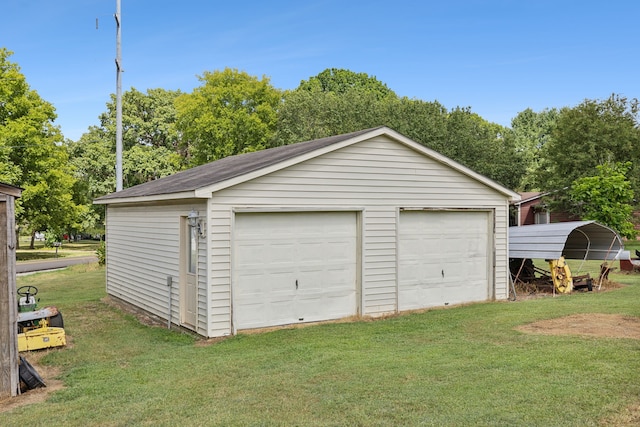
[
  {"x": 632, "y": 245},
  {"x": 457, "y": 366},
  {"x": 80, "y": 248}
]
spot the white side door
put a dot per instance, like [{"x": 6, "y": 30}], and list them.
[{"x": 189, "y": 277}]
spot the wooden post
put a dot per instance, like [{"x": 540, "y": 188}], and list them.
[{"x": 9, "y": 376}]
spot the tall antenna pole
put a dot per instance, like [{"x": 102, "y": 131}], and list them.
[{"x": 118, "y": 100}]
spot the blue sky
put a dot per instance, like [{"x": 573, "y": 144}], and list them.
[{"x": 498, "y": 57}]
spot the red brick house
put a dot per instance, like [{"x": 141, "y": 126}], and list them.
[{"x": 532, "y": 209}]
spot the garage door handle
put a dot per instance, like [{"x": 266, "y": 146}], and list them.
[
  {"x": 442, "y": 273},
  {"x": 296, "y": 283}
]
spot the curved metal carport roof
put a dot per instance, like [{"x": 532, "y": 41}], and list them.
[{"x": 586, "y": 240}]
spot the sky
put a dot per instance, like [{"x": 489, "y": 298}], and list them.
[{"x": 498, "y": 57}]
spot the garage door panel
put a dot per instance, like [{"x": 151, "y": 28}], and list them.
[
  {"x": 475, "y": 267},
  {"x": 251, "y": 254},
  {"x": 258, "y": 313},
  {"x": 341, "y": 250},
  {"x": 280, "y": 253},
  {"x": 309, "y": 251},
  {"x": 443, "y": 258},
  {"x": 339, "y": 278},
  {"x": 279, "y": 311},
  {"x": 316, "y": 249},
  {"x": 419, "y": 292}
]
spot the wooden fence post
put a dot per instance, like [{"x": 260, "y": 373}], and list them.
[{"x": 9, "y": 375}]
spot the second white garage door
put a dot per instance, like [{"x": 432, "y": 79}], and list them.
[
  {"x": 293, "y": 267},
  {"x": 444, "y": 258}
]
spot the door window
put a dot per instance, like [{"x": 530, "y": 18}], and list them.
[{"x": 192, "y": 251}]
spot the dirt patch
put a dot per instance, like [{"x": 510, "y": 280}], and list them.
[
  {"x": 628, "y": 418},
  {"x": 597, "y": 325},
  {"x": 532, "y": 290},
  {"x": 38, "y": 395},
  {"x": 589, "y": 324},
  {"x": 144, "y": 317}
]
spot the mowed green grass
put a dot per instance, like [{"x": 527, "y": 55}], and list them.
[
  {"x": 457, "y": 366},
  {"x": 632, "y": 245}
]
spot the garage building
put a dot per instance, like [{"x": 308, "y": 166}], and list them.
[{"x": 361, "y": 224}]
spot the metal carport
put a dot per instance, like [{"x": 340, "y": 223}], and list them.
[
  {"x": 586, "y": 240},
  {"x": 582, "y": 240}
]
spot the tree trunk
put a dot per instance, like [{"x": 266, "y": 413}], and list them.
[{"x": 32, "y": 245}]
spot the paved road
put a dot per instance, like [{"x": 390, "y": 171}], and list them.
[{"x": 52, "y": 264}]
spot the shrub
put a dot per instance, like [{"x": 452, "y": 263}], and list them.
[
  {"x": 101, "y": 252},
  {"x": 52, "y": 238}
]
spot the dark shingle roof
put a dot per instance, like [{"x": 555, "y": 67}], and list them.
[{"x": 227, "y": 168}]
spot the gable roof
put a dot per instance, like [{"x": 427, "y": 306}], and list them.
[
  {"x": 528, "y": 196},
  {"x": 201, "y": 181}
]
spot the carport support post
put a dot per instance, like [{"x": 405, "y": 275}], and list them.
[{"x": 9, "y": 376}]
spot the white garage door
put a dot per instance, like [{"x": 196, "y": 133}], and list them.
[
  {"x": 293, "y": 267},
  {"x": 444, "y": 258}
]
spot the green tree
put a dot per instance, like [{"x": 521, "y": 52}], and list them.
[
  {"x": 530, "y": 132},
  {"x": 230, "y": 113},
  {"x": 335, "y": 101},
  {"x": 33, "y": 155},
  {"x": 596, "y": 132},
  {"x": 148, "y": 119},
  {"x": 309, "y": 115},
  {"x": 93, "y": 158},
  {"x": 145, "y": 163},
  {"x": 151, "y": 148},
  {"x": 341, "y": 81},
  {"x": 340, "y": 101},
  {"x": 482, "y": 147},
  {"x": 606, "y": 197},
  {"x": 422, "y": 121}
]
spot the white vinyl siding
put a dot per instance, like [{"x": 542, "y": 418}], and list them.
[
  {"x": 501, "y": 252},
  {"x": 219, "y": 238},
  {"x": 376, "y": 177},
  {"x": 143, "y": 249}
]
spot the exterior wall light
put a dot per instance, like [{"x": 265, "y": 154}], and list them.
[{"x": 195, "y": 222}]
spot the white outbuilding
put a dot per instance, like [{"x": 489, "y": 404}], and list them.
[{"x": 361, "y": 224}]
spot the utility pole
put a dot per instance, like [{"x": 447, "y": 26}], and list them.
[{"x": 118, "y": 99}]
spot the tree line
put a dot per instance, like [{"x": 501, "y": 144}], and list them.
[{"x": 578, "y": 154}]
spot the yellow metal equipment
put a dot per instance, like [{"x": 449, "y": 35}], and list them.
[
  {"x": 40, "y": 338},
  {"x": 37, "y": 328},
  {"x": 561, "y": 275}
]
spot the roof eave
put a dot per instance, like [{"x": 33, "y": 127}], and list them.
[{"x": 151, "y": 198}]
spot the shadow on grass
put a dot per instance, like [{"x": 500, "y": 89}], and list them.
[
  {"x": 37, "y": 255},
  {"x": 73, "y": 249}
]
